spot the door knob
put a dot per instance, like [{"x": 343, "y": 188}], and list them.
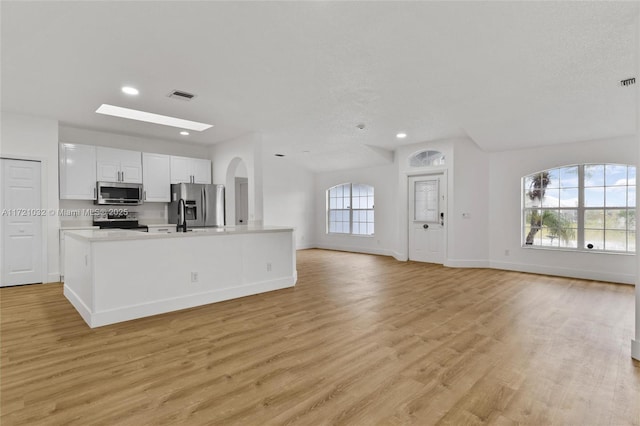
[{"x": 425, "y": 226}]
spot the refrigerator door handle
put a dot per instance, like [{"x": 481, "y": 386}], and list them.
[{"x": 204, "y": 204}]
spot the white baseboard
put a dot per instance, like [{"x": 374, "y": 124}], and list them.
[
  {"x": 77, "y": 303},
  {"x": 53, "y": 277},
  {"x": 305, "y": 246},
  {"x": 462, "y": 263},
  {"x": 126, "y": 313},
  {"x": 566, "y": 272},
  {"x": 635, "y": 349},
  {"x": 365, "y": 250},
  {"x": 401, "y": 257}
]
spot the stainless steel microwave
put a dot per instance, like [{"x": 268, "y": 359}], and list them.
[{"x": 117, "y": 193}]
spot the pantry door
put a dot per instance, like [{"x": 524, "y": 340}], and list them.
[{"x": 21, "y": 222}]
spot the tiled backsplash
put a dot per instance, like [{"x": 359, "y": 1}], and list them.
[{"x": 78, "y": 212}]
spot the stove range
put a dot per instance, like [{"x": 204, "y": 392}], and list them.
[{"x": 119, "y": 221}]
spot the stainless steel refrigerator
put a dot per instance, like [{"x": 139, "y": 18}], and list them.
[{"x": 202, "y": 205}]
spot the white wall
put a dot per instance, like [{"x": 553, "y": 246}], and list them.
[
  {"x": 470, "y": 233},
  {"x": 635, "y": 344},
  {"x": 467, "y": 189},
  {"x": 34, "y": 138},
  {"x": 288, "y": 192},
  {"x": 507, "y": 168},
  {"x": 134, "y": 143},
  {"x": 225, "y": 159},
  {"x": 383, "y": 179}
]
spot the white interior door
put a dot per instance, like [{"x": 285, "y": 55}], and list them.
[
  {"x": 242, "y": 201},
  {"x": 427, "y": 218},
  {"x": 21, "y": 222}
]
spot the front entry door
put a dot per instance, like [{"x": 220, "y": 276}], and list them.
[
  {"x": 21, "y": 222},
  {"x": 427, "y": 218}
]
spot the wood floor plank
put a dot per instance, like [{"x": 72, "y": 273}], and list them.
[{"x": 360, "y": 340}]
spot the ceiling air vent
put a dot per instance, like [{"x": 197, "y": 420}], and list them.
[
  {"x": 179, "y": 94},
  {"x": 628, "y": 82}
]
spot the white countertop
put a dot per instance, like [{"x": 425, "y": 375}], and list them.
[
  {"x": 123, "y": 234},
  {"x": 78, "y": 227}
]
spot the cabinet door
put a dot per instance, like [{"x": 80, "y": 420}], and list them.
[
  {"x": 108, "y": 164},
  {"x": 119, "y": 165},
  {"x": 77, "y": 172},
  {"x": 131, "y": 166},
  {"x": 156, "y": 173},
  {"x": 201, "y": 170},
  {"x": 180, "y": 169}
]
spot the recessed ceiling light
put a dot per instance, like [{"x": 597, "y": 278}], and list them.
[
  {"x": 401, "y": 135},
  {"x": 150, "y": 117},
  {"x": 184, "y": 133},
  {"x": 130, "y": 90}
]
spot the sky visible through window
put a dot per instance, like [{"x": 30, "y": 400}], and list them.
[{"x": 587, "y": 207}]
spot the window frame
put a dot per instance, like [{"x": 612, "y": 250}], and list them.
[
  {"x": 581, "y": 210},
  {"x": 350, "y": 209}
]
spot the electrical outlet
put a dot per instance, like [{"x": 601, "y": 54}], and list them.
[
  {"x": 506, "y": 252},
  {"x": 268, "y": 266},
  {"x": 194, "y": 277}
]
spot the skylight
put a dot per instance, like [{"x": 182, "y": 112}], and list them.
[{"x": 150, "y": 117}]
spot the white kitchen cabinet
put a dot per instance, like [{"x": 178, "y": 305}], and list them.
[
  {"x": 62, "y": 250},
  {"x": 201, "y": 170},
  {"x": 118, "y": 165},
  {"x": 190, "y": 170},
  {"x": 156, "y": 177},
  {"x": 180, "y": 169},
  {"x": 77, "y": 172}
]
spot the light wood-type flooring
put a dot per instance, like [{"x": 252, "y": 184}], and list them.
[{"x": 360, "y": 340}]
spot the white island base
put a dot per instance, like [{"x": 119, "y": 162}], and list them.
[{"x": 114, "y": 276}]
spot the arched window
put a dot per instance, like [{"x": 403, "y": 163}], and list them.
[
  {"x": 350, "y": 209},
  {"x": 589, "y": 207},
  {"x": 426, "y": 158}
]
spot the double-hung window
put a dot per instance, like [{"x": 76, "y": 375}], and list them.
[{"x": 350, "y": 209}]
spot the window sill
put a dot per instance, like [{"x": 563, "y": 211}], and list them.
[{"x": 570, "y": 250}]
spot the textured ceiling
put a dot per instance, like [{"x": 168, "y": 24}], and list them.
[{"x": 303, "y": 75}]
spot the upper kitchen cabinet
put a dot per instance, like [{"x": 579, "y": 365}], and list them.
[
  {"x": 118, "y": 165},
  {"x": 190, "y": 170},
  {"x": 77, "y": 172},
  {"x": 156, "y": 173}
]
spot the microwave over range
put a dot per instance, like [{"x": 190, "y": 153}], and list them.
[{"x": 117, "y": 193}]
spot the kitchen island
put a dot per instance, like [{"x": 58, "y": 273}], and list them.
[{"x": 119, "y": 275}]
